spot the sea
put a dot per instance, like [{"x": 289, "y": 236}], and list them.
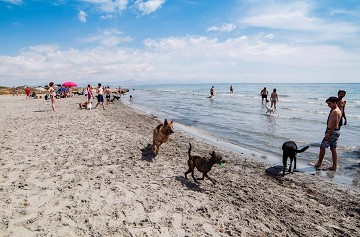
[{"x": 239, "y": 121}]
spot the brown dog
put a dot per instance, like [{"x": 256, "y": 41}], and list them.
[
  {"x": 161, "y": 135},
  {"x": 202, "y": 164}
]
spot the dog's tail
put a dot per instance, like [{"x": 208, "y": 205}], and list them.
[
  {"x": 303, "y": 149},
  {"x": 189, "y": 150}
]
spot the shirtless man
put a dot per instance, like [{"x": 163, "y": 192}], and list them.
[
  {"x": 341, "y": 104},
  {"x": 264, "y": 94},
  {"x": 332, "y": 133},
  {"x": 100, "y": 96}
]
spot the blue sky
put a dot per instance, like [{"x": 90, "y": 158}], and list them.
[{"x": 179, "y": 41}]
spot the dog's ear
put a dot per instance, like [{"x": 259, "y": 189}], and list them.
[{"x": 165, "y": 122}]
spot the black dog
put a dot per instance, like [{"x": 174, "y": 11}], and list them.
[
  {"x": 290, "y": 150},
  {"x": 115, "y": 97},
  {"x": 202, "y": 164}
]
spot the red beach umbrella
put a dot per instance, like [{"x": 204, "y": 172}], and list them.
[{"x": 69, "y": 84}]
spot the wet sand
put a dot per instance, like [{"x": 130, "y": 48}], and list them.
[{"x": 91, "y": 173}]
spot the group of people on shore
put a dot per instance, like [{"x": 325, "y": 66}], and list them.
[
  {"x": 100, "y": 92},
  {"x": 89, "y": 91}
]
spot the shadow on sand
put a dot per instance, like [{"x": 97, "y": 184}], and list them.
[
  {"x": 188, "y": 184},
  {"x": 275, "y": 171},
  {"x": 38, "y": 111},
  {"x": 147, "y": 154}
]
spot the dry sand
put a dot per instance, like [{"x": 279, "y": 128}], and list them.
[{"x": 90, "y": 173}]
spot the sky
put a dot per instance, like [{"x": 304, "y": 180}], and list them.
[{"x": 179, "y": 41}]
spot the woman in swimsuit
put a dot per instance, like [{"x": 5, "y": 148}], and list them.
[
  {"x": 274, "y": 99},
  {"x": 52, "y": 95}
]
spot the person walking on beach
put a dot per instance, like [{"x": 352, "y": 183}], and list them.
[
  {"x": 89, "y": 93},
  {"x": 264, "y": 94},
  {"x": 212, "y": 92},
  {"x": 231, "y": 89},
  {"x": 332, "y": 133},
  {"x": 274, "y": 99},
  {"x": 108, "y": 95},
  {"x": 100, "y": 97},
  {"x": 27, "y": 91},
  {"x": 341, "y": 104},
  {"x": 52, "y": 95}
]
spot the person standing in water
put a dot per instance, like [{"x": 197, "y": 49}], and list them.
[
  {"x": 341, "y": 104},
  {"x": 332, "y": 133},
  {"x": 231, "y": 89},
  {"x": 274, "y": 99},
  {"x": 264, "y": 94},
  {"x": 212, "y": 92}
]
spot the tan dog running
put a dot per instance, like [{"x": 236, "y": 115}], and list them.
[{"x": 161, "y": 135}]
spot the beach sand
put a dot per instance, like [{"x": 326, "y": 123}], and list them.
[{"x": 90, "y": 173}]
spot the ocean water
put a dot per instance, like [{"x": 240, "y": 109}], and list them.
[{"x": 240, "y": 122}]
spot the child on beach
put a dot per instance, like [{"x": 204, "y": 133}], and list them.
[{"x": 52, "y": 95}]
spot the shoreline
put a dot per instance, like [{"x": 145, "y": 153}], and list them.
[
  {"x": 78, "y": 172},
  {"x": 256, "y": 155}
]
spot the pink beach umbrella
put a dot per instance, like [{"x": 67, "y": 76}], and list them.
[{"x": 69, "y": 84}]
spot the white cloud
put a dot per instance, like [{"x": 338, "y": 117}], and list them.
[
  {"x": 16, "y": 2},
  {"x": 107, "y": 17},
  {"x": 184, "y": 58},
  {"x": 109, "y": 37},
  {"x": 109, "y": 5},
  {"x": 82, "y": 16},
  {"x": 296, "y": 16},
  {"x": 344, "y": 12},
  {"x": 149, "y": 6},
  {"x": 226, "y": 27},
  {"x": 299, "y": 23}
]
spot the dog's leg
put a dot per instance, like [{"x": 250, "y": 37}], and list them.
[
  {"x": 191, "y": 167},
  {"x": 189, "y": 170},
  {"x": 294, "y": 163},
  {"x": 284, "y": 165},
  {"x": 153, "y": 148},
  {"x": 202, "y": 177},
  {"x": 192, "y": 174},
  {"x": 291, "y": 161},
  {"x": 207, "y": 176},
  {"x": 157, "y": 149}
]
